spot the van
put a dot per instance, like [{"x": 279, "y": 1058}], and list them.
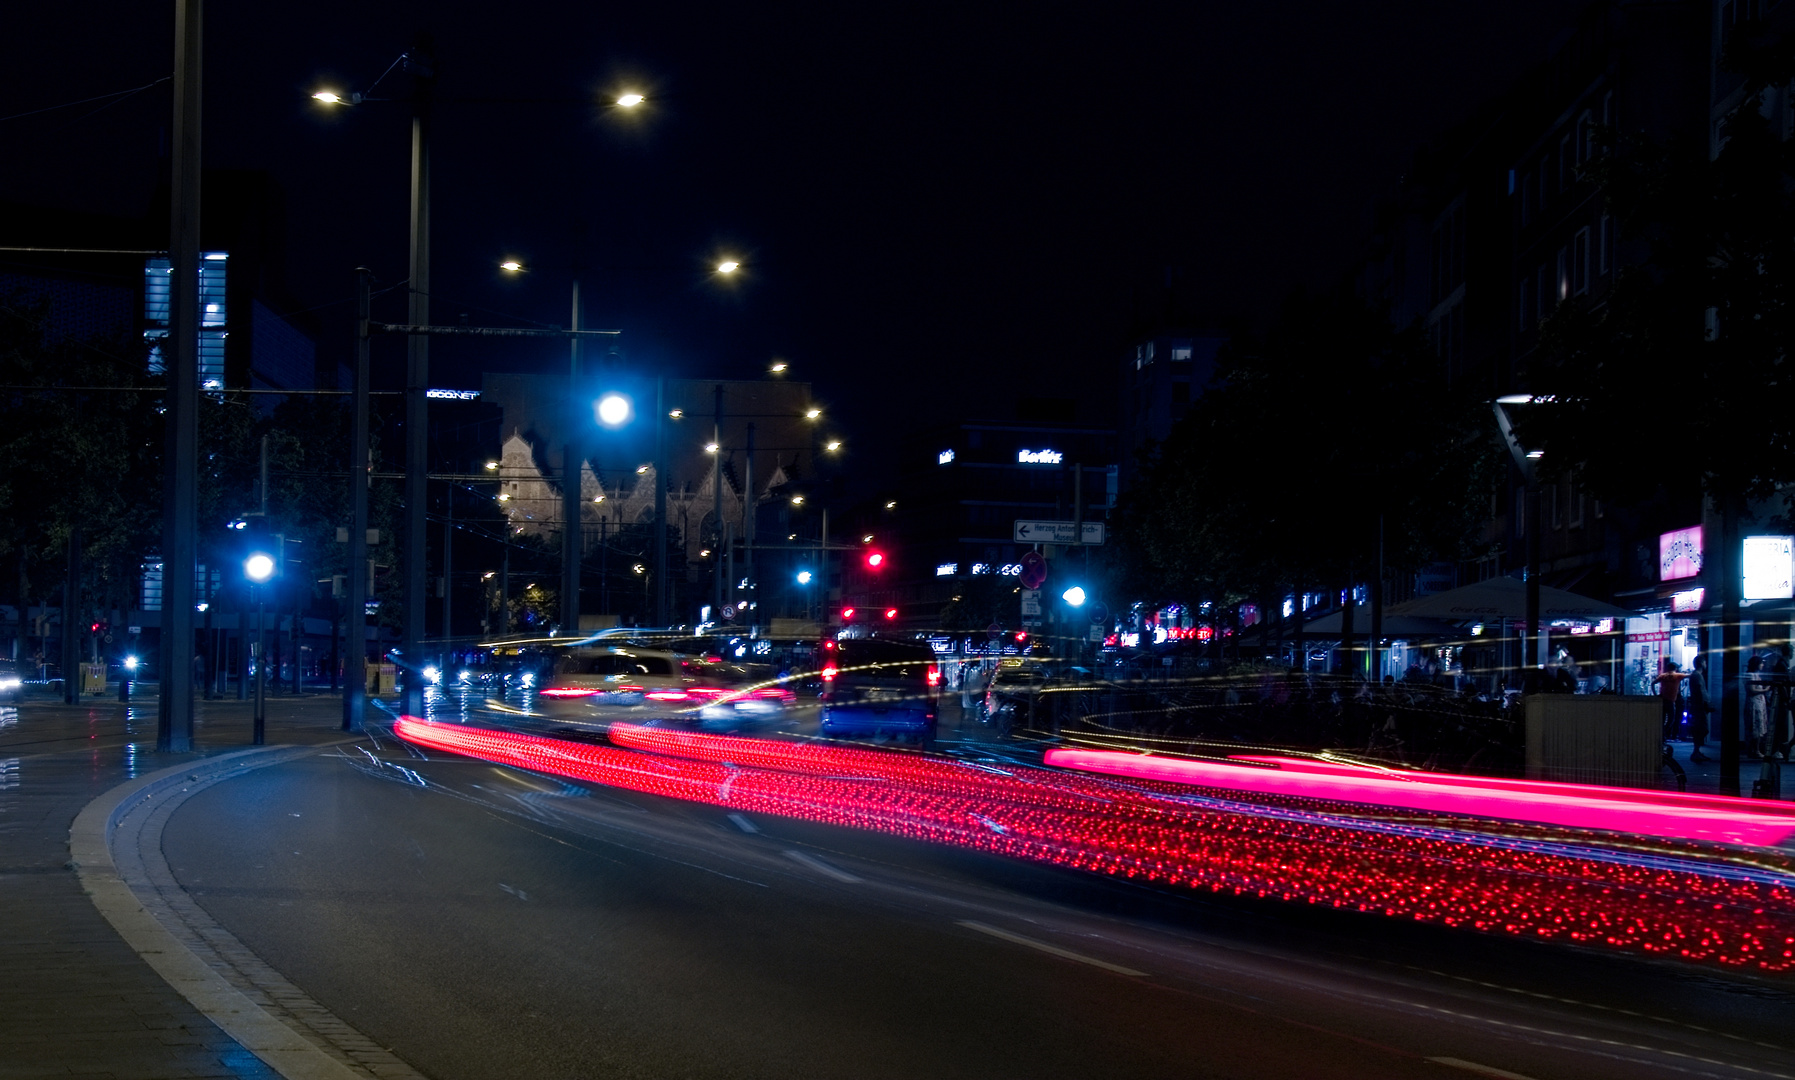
[{"x": 875, "y": 686}]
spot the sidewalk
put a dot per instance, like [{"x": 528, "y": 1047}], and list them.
[
  {"x": 1704, "y": 776},
  {"x": 75, "y": 1000}
]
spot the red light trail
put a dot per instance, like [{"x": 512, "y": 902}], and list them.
[{"x": 1662, "y": 902}]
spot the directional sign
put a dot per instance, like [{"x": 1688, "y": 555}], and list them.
[{"x": 1058, "y": 532}]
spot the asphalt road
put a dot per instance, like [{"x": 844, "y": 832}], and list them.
[{"x": 485, "y": 922}]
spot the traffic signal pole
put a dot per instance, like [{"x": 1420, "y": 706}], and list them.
[{"x": 355, "y": 622}]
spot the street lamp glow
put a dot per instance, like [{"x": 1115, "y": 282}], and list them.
[
  {"x": 492, "y": 466},
  {"x": 331, "y": 97},
  {"x": 832, "y": 445},
  {"x": 797, "y": 500},
  {"x": 675, "y": 414},
  {"x": 613, "y": 410},
  {"x": 641, "y": 470},
  {"x": 1073, "y": 596},
  {"x": 512, "y": 266},
  {"x": 867, "y": 539},
  {"x": 892, "y": 505},
  {"x": 728, "y": 266},
  {"x": 710, "y": 447},
  {"x": 803, "y": 577},
  {"x": 630, "y": 101},
  {"x": 778, "y": 367},
  {"x": 812, "y": 414},
  {"x": 258, "y": 567}
]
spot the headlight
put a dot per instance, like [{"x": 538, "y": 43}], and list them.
[
  {"x": 10, "y": 683},
  {"x": 431, "y": 674}
]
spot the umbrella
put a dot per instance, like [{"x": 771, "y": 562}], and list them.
[
  {"x": 1505, "y": 598},
  {"x": 1395, "y": 626}
]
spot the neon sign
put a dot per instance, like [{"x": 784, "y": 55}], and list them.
[
  {"x": 1039, "y": 457},
  {"x": 453, "y": 395},
  {"x": 944, "y": 458},
  {"x": 947, "y": 569},
  {"x": 1680, "y": 554}
]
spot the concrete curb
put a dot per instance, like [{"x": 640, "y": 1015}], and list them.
[{"x": 90, "y": 837}]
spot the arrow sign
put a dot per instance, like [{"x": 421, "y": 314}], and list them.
[{"x": 1058, "y": 532}]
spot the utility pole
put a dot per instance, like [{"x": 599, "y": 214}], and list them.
[
  {"x": 355, "y": 695},
  {"x": 180, "y": 509},
  {"x": 417, "y": 380},
  {"x": 571, "y": 542},
  {"x": 660, "y": 502},
  {"x": 749, "y": 603},
  {"x": 717, "y": 510}
]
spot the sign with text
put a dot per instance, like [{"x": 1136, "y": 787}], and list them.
[
  {"x": 1680, "y": 554},
  {"x": 1058, "y": 532},
  {"x": 1769, "y": 568},
  {"x": 1031, "y": 601}
]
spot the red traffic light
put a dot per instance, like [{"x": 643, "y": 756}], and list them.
[
  {"x": 891, "y": 613},
  {"x": 847, "y": 614},
  {"x": 875, "y": 559}
]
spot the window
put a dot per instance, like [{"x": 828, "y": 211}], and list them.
[
  {"x": 1608, "y": 109},
  {"x": 1580, "y": 262},
  {"x": 1524, "y": 304},
  {"x": 1604, "y": 242},
  {"x": 1575, "y": 493},
  {"x": 1528, "y": 198},
  {"x": 1586, "y": 137},
  {"x": 1545, "y": 176},
  {"x": 1567, "y": 162},
  {"x": 1544, "y": 300},
  {"x": 1563, "y": 282},
  {"x": 1180, "y": 352},
  {"x": 1551, "y": 493}
]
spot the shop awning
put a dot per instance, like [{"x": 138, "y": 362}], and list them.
[
  {"x": 1395, "y": 626},
  {"x": 1505, "y": 598}
]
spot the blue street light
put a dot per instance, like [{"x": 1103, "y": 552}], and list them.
[
  {"x": 1073, "y": 596},
  {"x": 803, "y": 577},
  {"x": 259, "y": 567},
  {"x": 613, "y": 410}
]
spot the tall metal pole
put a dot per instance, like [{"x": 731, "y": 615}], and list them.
[
  {"x": 660, "y": 502},
  {"x": 571, "y": 540},
  {"x": 1532, "y": 655},
  {"x": 717, "y": 511},
  {"x": 355, "y": 695},
  {"x": 417, "y": 380},
  {"x": 71, "y": 620},
  {"x": 448, "y": 544},
  {"x": 180, "y": 506},
  {"x": 749, "y": 505},
  {"x": 259, "y": 735}
]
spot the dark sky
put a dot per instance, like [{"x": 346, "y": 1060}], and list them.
[{"x": 935, "y": 203}]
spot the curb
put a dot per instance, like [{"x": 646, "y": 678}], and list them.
[{"x": 279, "y": 1046}]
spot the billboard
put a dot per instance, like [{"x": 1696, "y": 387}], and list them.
[
  {"x": 1680, "y": 554},
  {"x": 1769, "y": 568}
]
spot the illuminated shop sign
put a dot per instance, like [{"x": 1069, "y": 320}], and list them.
[
  {"x": 1009, "y": 569},
  {"x": 944, "y": 458},
  {"x": 453, "y": 395},
  {"x": 1039, "y": 457},
  {"x": 1687, "y": 601},
  {"x": 1769, "y": 567},
  {"x": 947, "y": 569},
  {"x": 1680, "y": 554}
]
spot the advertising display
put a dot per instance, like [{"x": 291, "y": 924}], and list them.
[
  {"x": 1769, "y": 568},
  {"x": 1680, "y": 554}
]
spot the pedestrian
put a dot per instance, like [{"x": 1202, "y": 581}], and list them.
[
  {"x": 972, "y": 691},
  {"x": 1700, "y": 708},
  {"x": 1757, "y": 695},
  {"x": 1780, "y": 700},
  {"x": 1669, "y": 685}
]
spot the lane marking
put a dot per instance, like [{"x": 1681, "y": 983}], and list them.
[
  {"x": 1054, "y": 950},
  {"x": 822, "y": 867},
  {"x": 744, "y": 824},
  {"x": 1481, "y": 1070}
]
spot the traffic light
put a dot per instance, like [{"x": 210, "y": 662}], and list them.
[
  {"x": 847, "y": 614},
  {"x": 891, "y": 614},
  {"x": 875, "y": 560}
]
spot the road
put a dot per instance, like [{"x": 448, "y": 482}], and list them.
[{"x": 484, "y": 921}]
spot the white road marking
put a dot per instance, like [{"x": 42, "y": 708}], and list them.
[
  {"x": 1046, "y": 947},
  {"x": 822, "y": 867},
  {"x": 744, "y": 824},
  {"x": 1481, "y": 1070}
]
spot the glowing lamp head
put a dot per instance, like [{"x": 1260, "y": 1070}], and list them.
[
  {"x": 812, "y": 414},
  {"x": 130, "y": 663},
  {"x": 728, "y": 266},
  {"x": 613, "y": 410},
  {"x": 512, "y": 266},
  {"x": 331, "y": 97},
  {"x": 778, "y": 367},
  {"x": 1073, "y": 596},
  {"x": 631, "y": 100},
  {"x": 803, "y": 577},
  {"x": 259, "y": 567}
]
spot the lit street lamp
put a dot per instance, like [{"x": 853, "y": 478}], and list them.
[{"x": 259, "y": 568}]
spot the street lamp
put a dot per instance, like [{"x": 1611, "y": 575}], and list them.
[
  {"x": 613, "y": 410},
  {"x": 630, "y": 100},
  {"x": 1073, "y": 596},
  {"x": 259, "y": 568},
  {"x": 728, "y": 266}
]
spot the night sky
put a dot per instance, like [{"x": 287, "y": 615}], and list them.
[{"x": 936, "y": 204}]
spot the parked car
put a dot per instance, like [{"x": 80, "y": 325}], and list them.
[
  {"x": 875, "y": 686},
  {"x": 1012, "y": 698}
]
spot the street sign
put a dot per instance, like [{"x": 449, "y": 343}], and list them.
[
  {"x": 1031, "y": 601},
  {"x": 1059, "y": 532},
  {"x": 728, "y": 612},
  {"x": 1034, "y": 570}
]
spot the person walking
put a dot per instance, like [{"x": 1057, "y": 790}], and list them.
[
  {"x": 1757, "y": 697},
  {"x": 1700, "y": 708},
  {"x": 1669, "y": 685},
  {"x": 1780, "y": 700}
]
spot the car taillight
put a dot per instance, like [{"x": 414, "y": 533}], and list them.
[
  {"x": 934, "y": 676},
  {"x": 829, "y": 673},
  {"x": 775, "y": 693},
  {"x": 667, "y": 695},
  {"x": 566, "y": 692}
]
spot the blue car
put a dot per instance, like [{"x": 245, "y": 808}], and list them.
[{"x": 872, "y": 686}]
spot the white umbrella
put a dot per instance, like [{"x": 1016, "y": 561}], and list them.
[
  {"x": 1501, "y": 598},
  {"x": 1395, "y": 626}
]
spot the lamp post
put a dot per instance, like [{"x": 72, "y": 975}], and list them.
[
  {"x": 1527, "y": 462},
  {"x": 258, "y": 568}
]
